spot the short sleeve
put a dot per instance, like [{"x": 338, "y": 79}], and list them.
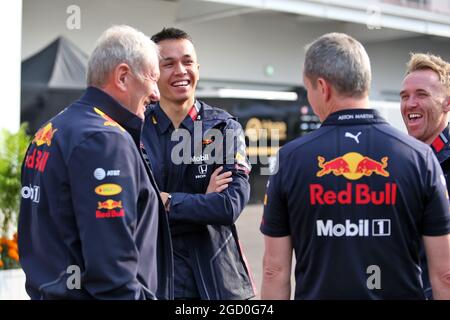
[{"x": 275, "y": 220}]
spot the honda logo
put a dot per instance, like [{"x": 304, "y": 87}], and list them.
[{"x": 203, "y": 169}]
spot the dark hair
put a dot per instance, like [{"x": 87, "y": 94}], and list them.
[{"x": 171, "y": 34}]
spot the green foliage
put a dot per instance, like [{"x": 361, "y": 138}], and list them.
[{"x": 13, "y": 147}]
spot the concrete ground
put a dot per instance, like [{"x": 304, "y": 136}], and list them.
[{"x": 252, "y": 242}]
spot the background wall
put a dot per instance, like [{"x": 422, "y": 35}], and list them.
[{"x": 234, "y": 48}]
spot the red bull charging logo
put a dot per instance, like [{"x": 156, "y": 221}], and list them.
[
  {"x": 109, "y": 204},
  {"x": 44, "y": 135},
  {"x": 109, "y": 209},
  {"x": 352, "y": 166}
]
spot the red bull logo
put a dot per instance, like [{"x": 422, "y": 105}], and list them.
[
  {"x": 109, "y": 121},
  {"x": 44, "y": 135},
  {"x": 337, "y": 166},
  {"x": 352, "y": 166},
  {"x": 109, "y": 209},
  {"x": 109, "y": 214},
  {"x": 359, "y": 193},
  {"x": 37, "y": 160},
  {"x": 368, "y": 166},
  {"x": 109, "y": 204}
]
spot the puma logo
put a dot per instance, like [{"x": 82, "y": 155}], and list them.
[{"x": 349, "y": 135}]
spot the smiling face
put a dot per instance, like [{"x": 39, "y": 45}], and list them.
[
  {"x": 424, "y": 105},
  {"x": 179, "y": 71}
]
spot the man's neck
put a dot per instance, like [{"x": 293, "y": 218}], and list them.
[
  {"x": 115, "y": 94},
  {"x": 345, "y": 103},
  {"x": 440, "y": 129},
  {"x": 176, "y": 111}
]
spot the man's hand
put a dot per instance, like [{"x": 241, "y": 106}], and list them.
[
  {"x": 164, "y": 197},
  {"x": 219, "y": 182}
]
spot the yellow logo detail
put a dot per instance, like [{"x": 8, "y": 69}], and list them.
[
  {"x": 109, "y": 122},
  {"x": 108, "y": 189},
  {"x": 44, "y": 135},
  {"x": 352, "y": 166}
]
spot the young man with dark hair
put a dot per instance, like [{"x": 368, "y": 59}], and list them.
[{"x": 206, "y": 188}]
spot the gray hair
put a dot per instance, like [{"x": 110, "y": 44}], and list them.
[
  {"x": 341, "y": 60},
  {"x": 119, "y": 44}
]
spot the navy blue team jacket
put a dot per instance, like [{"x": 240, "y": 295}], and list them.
[
  {"x": 89, "y": 201},
  {"x": 441, "y": 148},
  {"x": 357, "y": 195},
  {"x": 208, "y": 260}
]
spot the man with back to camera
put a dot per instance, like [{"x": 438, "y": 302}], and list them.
[
  {"x": 96, "y": 206},
  {"x": 355, "y": 197},
  {"x": 206, "y": 192},
  {"x": 425, "y": 103}
]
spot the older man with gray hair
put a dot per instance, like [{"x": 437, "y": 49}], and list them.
[
  {"x": 96, "y": 227},
  {"x": 354, "y": 198}
]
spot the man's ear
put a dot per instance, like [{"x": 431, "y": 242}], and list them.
[
  {"x": 325, "y": 88},
  {"x": 122, "y": 74},
  {"x": 447, "y": 104}
]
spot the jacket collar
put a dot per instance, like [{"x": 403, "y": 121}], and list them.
[
  {"x": 440, "y": 145},
  {"x": 353, "y": 117},
  {"x": 162, "y": 121},
  {"x": 158, "y": 117},
  {"x": 107, "y": 104},
  {"x": 208, "y": 115}
]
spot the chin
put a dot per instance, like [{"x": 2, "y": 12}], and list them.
[
  {"x": 182, "y": 98},
  {"x": 416, "y": 135}
]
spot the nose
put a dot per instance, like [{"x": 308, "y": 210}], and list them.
[
  {"x": 411, "y": 102},
  {"x": 180, "y": 68},
  {"x": 154, "y": 93}
]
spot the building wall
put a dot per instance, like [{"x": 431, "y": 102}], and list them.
[
  {"x": 236, "y": 48},
  {"x": 389, "y": 60},
  {"x": 44, "y": 20}
]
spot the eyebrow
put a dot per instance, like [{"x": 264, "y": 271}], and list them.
[
  {"x": 417, "y": 90},
  {"x": 172, "y": 58}
]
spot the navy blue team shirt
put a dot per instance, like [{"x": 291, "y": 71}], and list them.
[{"x": 353, "y": 194}]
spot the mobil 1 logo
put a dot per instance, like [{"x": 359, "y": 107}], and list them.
[{"x": 360, "y": 228}]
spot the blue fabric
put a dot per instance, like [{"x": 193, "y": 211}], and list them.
[
  {"x": 209, "y": 262},
  {"x": 98, "y": 208},
  {"x": 353, "y": 194}
]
